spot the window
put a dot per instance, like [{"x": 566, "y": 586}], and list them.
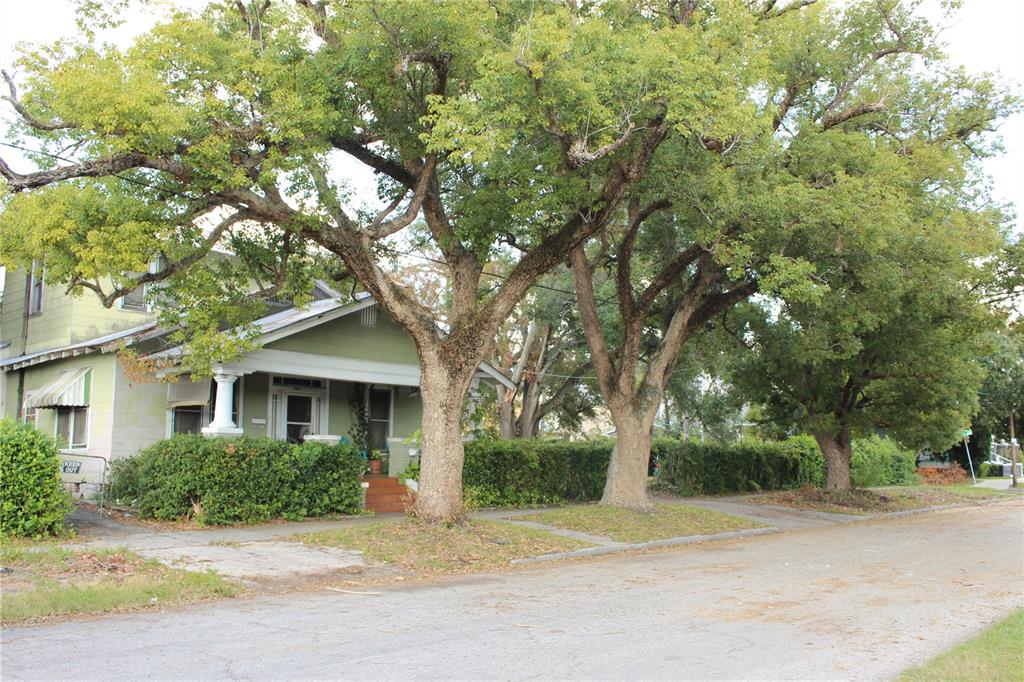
[
  {"x": 135, "y": 300},
  {"x": 298, "y": 382},
  {"x": 380, "y": 417},
  {"x": 35, "y": 288},
  {"x": 187, "y": 419},
  {"x": 73, "y": 426}
]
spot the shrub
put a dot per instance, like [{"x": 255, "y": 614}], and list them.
[
  {"x": 881, "y": 461},
  {"x": 32, "y": 501},
  {"x": 942, "y": 476},
  {"x": 696, "y": 468},
  {"x": 534, "y": 471},
  {"x": 226, "y": 480},
  {"x": 989, "y": 470}
]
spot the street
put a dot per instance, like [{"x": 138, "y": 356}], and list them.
[{"x": 854, "y": 601}]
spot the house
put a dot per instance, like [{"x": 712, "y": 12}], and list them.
[{"x": 315, "y": 370}]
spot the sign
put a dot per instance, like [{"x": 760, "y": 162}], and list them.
[
  {"x": 967, "y": 432},
  {"x": 70, "y": 467}
]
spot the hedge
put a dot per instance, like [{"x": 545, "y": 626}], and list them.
[
  {"x": 33, "y": 503},
  {"x": 689, "y": 467},
  {"x": 518, "y": 472},
  {"x": 229, "y": 480}
]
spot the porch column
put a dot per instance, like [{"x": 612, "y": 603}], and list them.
[{"x": 222, "y": 424}]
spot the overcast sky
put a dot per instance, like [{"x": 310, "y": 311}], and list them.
[{"x": 984, "y": 36}]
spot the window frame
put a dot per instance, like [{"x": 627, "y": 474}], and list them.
[
  {"x": 36, "y": 287},
  {"x": 73, "y": 421}
]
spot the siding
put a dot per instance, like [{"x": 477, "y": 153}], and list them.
[
  {"x": 140, "y": 414},
  {"x": 347, "y": 337}
]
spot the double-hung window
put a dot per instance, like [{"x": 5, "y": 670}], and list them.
[
  {"x": 35, "y": 288},
  {"x": 73, "y": 426}
]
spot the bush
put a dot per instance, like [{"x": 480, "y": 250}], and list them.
[
  {"x": 942, "y": 476},
  {"x": 880, "y": 461},
  {"x": 534, "y": 471},
  {"x": 695, "y": 468},
  {"x": 227, "y": 480},
  {"x": 33, "y": 502},
  {"x": 990, "y": 470}
]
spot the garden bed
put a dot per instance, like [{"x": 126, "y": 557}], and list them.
[
  {"x": 425, "y": 549},
  {"x": 624, "y": 525},
  {"x": 45, "y": 580}
]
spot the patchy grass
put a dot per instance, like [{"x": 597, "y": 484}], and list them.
[
  {"x": 876, "y": 500},
  {"x": 438, "y": 549},
  {"x": 624, "y": 525},
  {"x": 993, "y": 656},
  {"x": 46, "y": 580}
]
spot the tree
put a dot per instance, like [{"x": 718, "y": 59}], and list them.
[
  {"x": 512, "y": 128},
  {"x": 1002, "y": 392},
  {"x": 844, "y": 133},
  {"x": 543, "y": 351}
]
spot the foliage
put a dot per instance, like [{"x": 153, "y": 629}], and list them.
[
  {"x": 1002, "y": 392},
  {"x": 690, "y": 467},
  {"x": 942, "y": 475},
  {"x": 227, "y": 480},
  {"x": 880, "y": 461},
  {"x": 990, "y": 470},
  {"x": 534, "y": 471},
  {"x": 360, "y": 429},
  {"x": 32, "y": 501}
]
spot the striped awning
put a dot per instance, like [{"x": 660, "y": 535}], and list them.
[
  {"x": 70, "y": 388},
  {"x": 185, "y": 392}
]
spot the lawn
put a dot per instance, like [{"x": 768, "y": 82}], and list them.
[
  {"x": 877, "y": 500},
  {"x": 427, "y": 549},
  {"x": 624, "y": 525},
  {"x": 45, "y": 580},
  {"x": 993, "y": 656}
]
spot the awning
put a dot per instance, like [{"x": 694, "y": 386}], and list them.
[
  {"x": 70, "y": 388},
  {"x": 184, "y": 392}
]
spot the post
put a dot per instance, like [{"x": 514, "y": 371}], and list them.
[
  {"x": 222, "y": 424},
  {"x": 967, "y": 449},
  {"x": 1014, "y": 458}
]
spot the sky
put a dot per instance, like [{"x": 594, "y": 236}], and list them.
[{"x": 984, "y": 37}]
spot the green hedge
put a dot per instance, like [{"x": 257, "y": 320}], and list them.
[
  {"x": 694, "y": 468},
  {"x": 518, "y": 472},
  {"x": 227, "y": 480},
  {"x": 881, "y": 461},
  {"x": 33, "y": 502},
  {"x": 690, "y": 467}
]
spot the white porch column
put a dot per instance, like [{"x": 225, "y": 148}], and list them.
[{"x": 222, "y": 424}]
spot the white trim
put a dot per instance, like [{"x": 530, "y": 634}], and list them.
[{"x": 329, "y": 367}]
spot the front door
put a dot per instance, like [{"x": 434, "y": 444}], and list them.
[{"x": 299, "y": 417}]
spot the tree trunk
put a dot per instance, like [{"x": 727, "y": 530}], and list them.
[
  {"x": 838, "y": 449},
  {"x": 439, "y": 497},
  {"x": 506, "y": 413},
  {"x": 626, "y": 486}
]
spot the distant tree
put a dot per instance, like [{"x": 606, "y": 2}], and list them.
[{"x": 1002, "y": 392}]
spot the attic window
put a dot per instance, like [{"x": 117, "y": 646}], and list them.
[
  {"x": 368, "y": 317},
  {"x": 35, "y": 288},
  {"x": 135, "y": 300}
]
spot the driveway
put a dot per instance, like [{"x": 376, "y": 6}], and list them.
[{"x": 850, "y": 601}]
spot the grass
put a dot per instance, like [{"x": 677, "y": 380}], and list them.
[
  {"x": 993, "y": 656},
  {"x": 438, "y": 549},
  {"x": 624, "y": 525},
  {"x": 877, "y": 500},
  {"x": 47, "y": 581}
]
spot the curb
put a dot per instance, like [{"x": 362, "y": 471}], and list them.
[
  {"x": 626, "y": 547},
  {"x": 939, "y": 507}
]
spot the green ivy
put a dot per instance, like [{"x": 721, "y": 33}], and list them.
[{"x": 32, "y": 501}]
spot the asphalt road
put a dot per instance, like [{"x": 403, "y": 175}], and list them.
[{"x": 856, "y": 601}]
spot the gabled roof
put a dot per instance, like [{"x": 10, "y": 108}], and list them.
[
  {"x": 295, "y": 320},
  {"x": 100, "y": 343}
]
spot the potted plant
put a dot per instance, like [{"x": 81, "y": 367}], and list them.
[{"x": 375, "y": 458}]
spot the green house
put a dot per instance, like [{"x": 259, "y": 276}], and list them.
[{"x": 316, "y": 369}]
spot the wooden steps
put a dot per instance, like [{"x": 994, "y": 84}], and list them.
[{"x": 385, "y": 494}]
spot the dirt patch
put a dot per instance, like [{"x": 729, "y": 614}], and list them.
[{"x": 874, "y": 501}]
